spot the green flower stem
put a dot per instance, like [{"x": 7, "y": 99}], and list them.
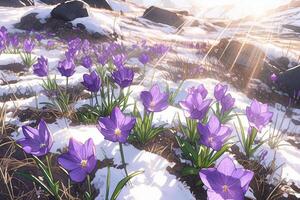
[
  {"x": 67, "y": 84},
  {"x": 123, "y": 158},
  {"x": 91, "y": 100},
  {"x": 97, "y": 102},
  {"x": 89, "y": 184},
  {"x": 107, "y": 183},
  {"x": 49, "y": 166}
]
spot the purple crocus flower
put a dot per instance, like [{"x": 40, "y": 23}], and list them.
[
  {"x": 227, "y": 103},
  {"x": 39, "y": 37},
  {"x": 200, "y": 89},
  {"x": 75, "y": 44},
  {"x": 2, "y": 45},
  {"x": 50, "y": 44},
  {"x": 220, "y": 91},
  {"x": 226, "y": 181},
  {"x": 159, "y": 49},
  {"x": 273, "y": 77},
  {"x": 66, "y": 67},
  {"x": 154, "y": 100},
  {"x": 102, "y": 58},
  {"x": 3, "y": 29},
  {"x": 14, "y": 41},
  {"x": 37, "y": 142},
  {"x": 195, "y": 107},
  {"x": 123, "y": 77},
  {"x": 87, "y": 62},
  {"x": 28, "y": 45},
  {"x": 91, "y": 82},
  {"x": 70, "y": 54},
  {"x": 117, "y": 127},
  {"x": 144, "y": 58},
  {"x": 263, "y": 155},
  {"x": 80, "y": 160},
  {"x": 213, "y": 134},
  {"x": 41, "y": 67},
  {"x": 119, "y": 60},
  {"x": 85, "y": 46},
  {"x": 258, "y": 115}
]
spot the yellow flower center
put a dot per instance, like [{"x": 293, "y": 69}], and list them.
[
  {"x": 225, "y": 188},
  {"x": 118, "y": 132},
  {"x": 152, "y": 104},
  {"x": 83, "y": 163}
]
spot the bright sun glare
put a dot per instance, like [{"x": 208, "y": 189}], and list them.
[{"x": 218, "y": 8}]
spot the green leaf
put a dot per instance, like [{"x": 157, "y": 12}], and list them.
[
  {"x": 37, "y": 181},
  {"x": 122, "y": 183},
  {"x": 187, "y": 171},
  {"x": 218, "y": 154}
]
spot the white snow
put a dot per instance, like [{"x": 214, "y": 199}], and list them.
[{"x": 99, "y": 22}]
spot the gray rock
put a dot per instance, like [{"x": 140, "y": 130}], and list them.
[
  {"x": 70, "y": 10},
  {"x": 163, "y": 16},
  {"x": 288, "y": 81},
  {"x": 245, "y": 60},
  {"x": 30, "y": 22},
  {"x": 281, "y": 62},
  {"x": 292, "y": 27}
]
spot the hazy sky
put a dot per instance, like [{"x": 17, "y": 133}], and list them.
[{"x": 216, "y": 7}]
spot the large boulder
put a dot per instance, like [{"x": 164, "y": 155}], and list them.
[
  {"x": 289, "y": 81},
  {"x": 69, "y": 11},
  {"x": 281, "y": 62},
  {"x": 163, "y": 16},
  {"x": 16, "y": 3},
  {"x": 245, "y": 59},
  {"x": 30, "y": 22},
  {"x": 93, "y": 3},
  {"x": 292, "y": 27}
]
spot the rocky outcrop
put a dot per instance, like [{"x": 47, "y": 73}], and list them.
[
  {"x": 70, "y": 10},
  {"x": 282, "y": 63},
  {"x": 159, "y": 15},
  {"x": 30, "y": 22},
  {"x": 59, "y": 27},
  {"x": 93, "y": 3},
  {"x": 292, "y": 27},
  {"x": 246, "y": 59}
]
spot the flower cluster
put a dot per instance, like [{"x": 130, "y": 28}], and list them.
[{"x": 205, "y": 136}]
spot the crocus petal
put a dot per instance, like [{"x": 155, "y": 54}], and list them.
[
  {"x": 213, "y": 124},
  {"x": 68, "y": 161},
  {"x": 30, "y": 132},
  {"x": 75, "y": 148},
  {"x": 89, "y": 147},
  {"x": 226, "y": 166},
  {"x": 44, "y": 132},
  {"x": 244, "y": 176},
  {"x": 212, "y": 195},
  {"x": 78, "y": 174},
  {"x": 117, "y": 116},
  {"x": 29, "y": 145},
  {"x": 91, "y": 164},
  {"x": 209, "y": 176}
]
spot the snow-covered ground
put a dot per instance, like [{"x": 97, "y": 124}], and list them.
[{"x": 156, "y": 180}]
